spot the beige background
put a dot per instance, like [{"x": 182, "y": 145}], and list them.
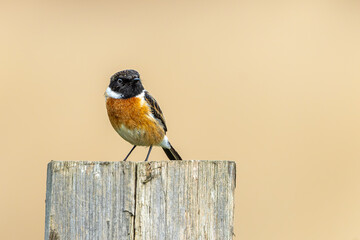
[{"x": 273, "y": 85}]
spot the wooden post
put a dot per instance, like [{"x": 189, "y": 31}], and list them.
[{"x": 140, "y": 200}]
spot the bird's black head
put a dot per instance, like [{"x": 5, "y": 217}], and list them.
[{"x": 125, "y": 84}]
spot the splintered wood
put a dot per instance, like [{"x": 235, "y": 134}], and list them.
[{"x": 148, "y": 200}]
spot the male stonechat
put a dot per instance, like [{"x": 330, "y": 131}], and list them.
[{"x": 135, "y": 114}]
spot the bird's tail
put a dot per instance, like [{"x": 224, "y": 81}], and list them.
[{"x": 172, "y": 153}]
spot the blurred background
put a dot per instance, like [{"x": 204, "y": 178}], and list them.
[{"x": 272, "y": 85}]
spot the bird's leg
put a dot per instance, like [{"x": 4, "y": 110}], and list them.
[
  {"x": 129, "y": 152},
  {"x": 147, "y": 157}
]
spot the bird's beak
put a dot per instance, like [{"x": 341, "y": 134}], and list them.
[{"x": 136, "y": 79}]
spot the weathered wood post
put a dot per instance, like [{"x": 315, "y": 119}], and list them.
[{"x": 145, "y": 200}]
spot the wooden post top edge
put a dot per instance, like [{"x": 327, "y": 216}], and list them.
[{"x": 133, "y": 162}]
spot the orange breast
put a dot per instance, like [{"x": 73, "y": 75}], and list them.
[{"x": 130, "y": 118}]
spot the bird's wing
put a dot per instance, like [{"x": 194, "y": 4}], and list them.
[{"x": 155, "y": 110}]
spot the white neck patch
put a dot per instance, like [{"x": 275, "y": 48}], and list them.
[
  {"x": 142, "y": 97},
  {"x": 110, "y": 93}
]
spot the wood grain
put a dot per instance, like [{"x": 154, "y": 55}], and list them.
[
  {"x": 90, "y": 200},
  {"x": 145, "y": 200}
]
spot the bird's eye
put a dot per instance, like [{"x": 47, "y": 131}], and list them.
[{"x": 119, "y": 80}]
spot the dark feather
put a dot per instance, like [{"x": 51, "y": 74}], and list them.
[
  {"x": 155, "y": 109},
  {"x": 172, "y": 154}
]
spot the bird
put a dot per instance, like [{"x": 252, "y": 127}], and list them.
[{"x": 135, "y": 115}]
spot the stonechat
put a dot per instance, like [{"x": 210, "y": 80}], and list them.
[{"x": 135, "y": 114}]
